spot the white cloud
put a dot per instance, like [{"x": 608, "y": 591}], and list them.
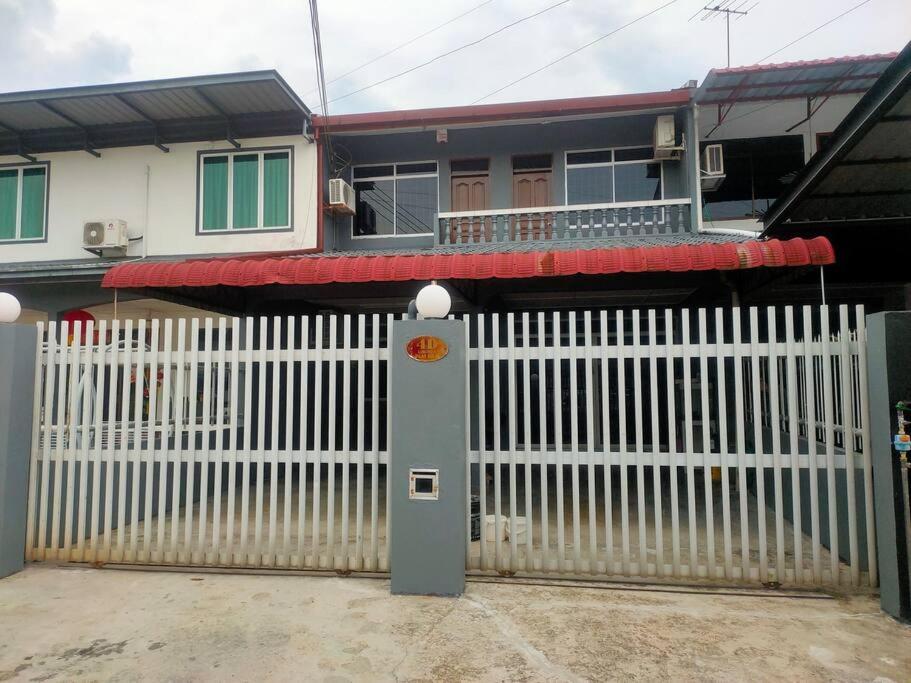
[
  {"x": 33, "y": 56},
  {"x": 45, "y": 43}
]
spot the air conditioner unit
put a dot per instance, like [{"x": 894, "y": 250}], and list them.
[
  {"x": 341, "y": 197},
  {"x": 105, "y": 237},
  {"x": 665, "y": 138},
  {"x": 712, "y": 171}
]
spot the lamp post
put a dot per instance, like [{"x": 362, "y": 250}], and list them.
[{"x": 9, "y": 308}]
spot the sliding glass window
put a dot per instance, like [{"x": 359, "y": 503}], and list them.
[
  {"x": 395, "y": 199},
  {"x": 245, "y": 190},
  {"x": 605, "y": 176},
  {"x": 23, "y": 202}
]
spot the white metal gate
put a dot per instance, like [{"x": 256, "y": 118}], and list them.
[
  {"x": 728, "y": 444},
  {"x": 235, "y": 443}
]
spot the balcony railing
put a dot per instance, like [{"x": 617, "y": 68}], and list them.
[{"x": 559, "y": 223}]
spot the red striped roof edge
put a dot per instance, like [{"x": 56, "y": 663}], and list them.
[
  {"x": 477, "y": 113},
  {"x": 326, "y": 269}
]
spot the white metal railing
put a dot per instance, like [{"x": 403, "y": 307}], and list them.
[
  {"x": 641, "y": 444},
  {"x": 277, "y": 458},
  {"x": 573, "y": 222}
]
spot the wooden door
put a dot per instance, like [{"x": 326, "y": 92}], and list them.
[
  {"x": 470, "y": 193},
  {"x": 529, "y": 190}
]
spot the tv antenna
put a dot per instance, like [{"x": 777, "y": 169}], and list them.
[{"x": 725, "y": 9}]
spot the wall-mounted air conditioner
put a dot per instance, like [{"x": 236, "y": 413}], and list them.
[
  {"x": 105, "y": 237},
  {"x": 341, "y": 197},
  {"x": 712, "y": 171},
  {"x": 665, "y": 138}
]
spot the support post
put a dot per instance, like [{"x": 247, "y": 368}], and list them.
[
  {"x": 889, "y": 372},
  {"x": 427, "y": 451},
  {"x": 17, "y": 391}
]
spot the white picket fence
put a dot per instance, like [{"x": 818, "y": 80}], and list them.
[
  {"x": 728, "y": 444},
  {"x": 673, "y": 444},
  {"x": 257, "y": 444}
]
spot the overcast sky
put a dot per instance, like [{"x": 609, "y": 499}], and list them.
[{"x": 53, "y": 43}]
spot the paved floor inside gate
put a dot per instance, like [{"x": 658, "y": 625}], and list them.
[
  {"x": 584, "y": 535},
  {"x": 74, "y": 623}
]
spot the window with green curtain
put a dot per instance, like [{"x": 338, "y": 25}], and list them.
[
  {"x": 215, "y": 193},
  {"x": 246, "y": 191},
  {"x": 34, "y": 182},
  {"x": 276, "y": 168},
  {"x": 9, "y": 189}
]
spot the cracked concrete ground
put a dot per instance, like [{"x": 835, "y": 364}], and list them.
[{"x": 74, "y": 623}]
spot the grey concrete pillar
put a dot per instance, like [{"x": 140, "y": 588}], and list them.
[
  {"x": 889, "y": 372},
  {"x": 17, "y": 391},
  {"x": 427, "y": 450}
]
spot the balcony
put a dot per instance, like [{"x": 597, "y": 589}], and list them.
[{"x": 576, "y": 223}]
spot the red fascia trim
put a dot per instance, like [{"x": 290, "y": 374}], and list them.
[
  {"x": 503, "y": 265},
  {"x": 421, "y": 118}
]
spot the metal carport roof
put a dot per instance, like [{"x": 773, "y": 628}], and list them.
[
  {"x": 792, "y": 80},
  {"x": 222, "y": 106},
  {"x": 864, "y": 172}
]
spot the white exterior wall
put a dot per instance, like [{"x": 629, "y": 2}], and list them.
[{"x": 155, "y": 193}]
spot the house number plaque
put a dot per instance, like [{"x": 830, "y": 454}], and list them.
[{"x": 426, "y": 348}]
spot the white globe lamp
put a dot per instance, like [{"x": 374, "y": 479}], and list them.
[
  {"x": 433, "y": 301},
  {"x": 9, "y": 308}
]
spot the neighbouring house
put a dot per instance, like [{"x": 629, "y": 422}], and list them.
[
  {"x": 144, "y": 172},
  {"x": 214, "y": 193}
]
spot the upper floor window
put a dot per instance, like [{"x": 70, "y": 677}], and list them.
[
  {"x": 395, "y": 199},
  {"x": 245, "y": 190},
  {"x": 604, "y": 176},
  {"x": 23, "y": 202}
]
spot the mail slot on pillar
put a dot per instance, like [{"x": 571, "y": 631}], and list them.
[{"x": 427, "y": 447}]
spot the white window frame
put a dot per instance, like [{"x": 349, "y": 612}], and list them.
[
  {"x": 21, "y": 168},
  {"x": 394, "y": 178},
  {"x": 260, "y": 180},
  {"x": 611, "y": 163}
]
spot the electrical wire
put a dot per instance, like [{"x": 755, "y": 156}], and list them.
[
  {"x": 321, "y": 78},
  {"x": 405, "y": 44},
  {"x": 809, "y": 33},
  {"x": 452, "y": 52},
  {"x": 575, "y": 51}
]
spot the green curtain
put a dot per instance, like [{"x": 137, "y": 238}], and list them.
[
  {"x": 246, "y": 190},
  {"x": 275, "y": 190},
  {"x": 9, "y": 187},
  {"x": 33, "y": 193},
  {"x": 215, "y": 193}
]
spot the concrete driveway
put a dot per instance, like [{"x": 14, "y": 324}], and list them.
[{"x": 73, "y": 623}]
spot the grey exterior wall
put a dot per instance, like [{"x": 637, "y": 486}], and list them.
[{"x": 499, "y": 143}]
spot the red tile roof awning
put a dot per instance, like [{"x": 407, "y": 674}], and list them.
[{"x": 326, "y": 269}]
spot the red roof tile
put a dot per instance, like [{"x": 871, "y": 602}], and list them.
[{"x": 325, "y": 269}]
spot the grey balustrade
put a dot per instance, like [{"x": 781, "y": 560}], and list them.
[{"x": 564, "y": 223}]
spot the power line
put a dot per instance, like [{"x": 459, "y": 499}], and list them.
[
  {"x": 453, "y": 51},
  {"x": 320, "y": 74},
  {"x": 406, "y": 43},
  {"x": 809, "y": 33},
  {"x": 572, "y": 52}
]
